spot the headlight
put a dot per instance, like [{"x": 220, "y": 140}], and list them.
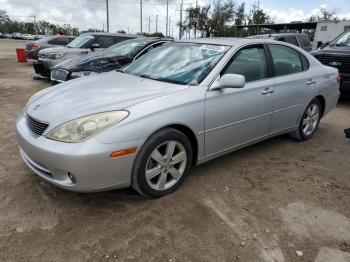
[
  {"x": 82, "y": 73},
  {"x": 56, "y": 55},
  {"x": 80, "y": 129}
]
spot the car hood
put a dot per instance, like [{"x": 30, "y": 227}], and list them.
[
  {"x": 337, "y": 51},
  {"x": 89, "y": 61},
  {"x": 59, "y": 49},
  {"x": 95, "y": 94}
]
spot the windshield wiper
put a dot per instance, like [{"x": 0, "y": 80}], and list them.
[
  {"x": 119, "y": 70},
  {"x": 164, "y": 80}
]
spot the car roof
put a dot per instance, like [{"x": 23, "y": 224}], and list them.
[
  {"x": 274, "y": 35},
  {"x": 111, "y": 34},
  {"x": 229, "y": 41}
]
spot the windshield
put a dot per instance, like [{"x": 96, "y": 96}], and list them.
[
  {"x": 126, "y": 48},
  {"x": 180, "y": 63},
  {"x": 341, "y": 40},
  {"x": 80, "y": 41}
]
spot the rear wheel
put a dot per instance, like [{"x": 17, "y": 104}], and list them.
[
  {"x": 162, "y": 163},
  {"x": 309, "y": 121}
]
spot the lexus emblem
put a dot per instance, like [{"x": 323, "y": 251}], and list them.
[
  {"x": 334, "y": 63},
  {"x": 36, "y": 107}
]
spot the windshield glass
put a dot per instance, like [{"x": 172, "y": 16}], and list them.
[
  {"x": 126, "y": 48},
  {"x": 341, "y": 40},
  {"x": 80, "y": 41},
  {"x": 180, "y": 63}
]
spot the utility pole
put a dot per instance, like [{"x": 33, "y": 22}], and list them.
[
  {"x": 107, "y": 15},
  {"x": 195, "y": 22},
  {"x": 169, "y": 25},
  {"x": 35, "y": 27},
  {"x": 167, "y": 17},
  {"x": 157, "y": 23},
  {"x": 181, "y": 7},
  {"x": 149, "y": 25},
  {"x": 141, "y": 17}
]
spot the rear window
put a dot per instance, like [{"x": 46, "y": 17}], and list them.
[
  {"x": 290, "y": 39},
  {"x": 305, "y": 41}
]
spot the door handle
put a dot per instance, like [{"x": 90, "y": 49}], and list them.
[
  {"x": 310, "y": 82},
  {"x": 267, "y": 91}
]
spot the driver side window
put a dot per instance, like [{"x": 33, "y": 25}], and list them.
[{"x": 249, "y": 62}]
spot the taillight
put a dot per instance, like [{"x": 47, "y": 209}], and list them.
[
  {"x": 338, "y": 79},
  {"x": 35, "y": 45}
]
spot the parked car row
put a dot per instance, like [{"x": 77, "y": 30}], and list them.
[
  {"x": 33, "y": 48},
  {"x": 82, "y": 45},
  {"x": 20, "y": 36},
  {"x": 170, "y": 106}
]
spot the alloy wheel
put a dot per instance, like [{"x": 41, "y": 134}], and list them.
[
  {"x": 166, "y": 165},
  {"x": 310, "y": 119}
]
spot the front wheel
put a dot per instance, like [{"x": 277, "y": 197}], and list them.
[
  {"x": 309, "y": 121},
  {"x": 162, "y": 163}
]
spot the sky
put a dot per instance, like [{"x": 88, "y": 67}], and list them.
[{"x": 125, "y": 14}]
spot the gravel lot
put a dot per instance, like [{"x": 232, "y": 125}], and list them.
[{"x": 267, "y": 202}]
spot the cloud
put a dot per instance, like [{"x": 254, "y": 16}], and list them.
[
  {"x": 124, "y": 14},
  {"x": 286, "y": 16}
]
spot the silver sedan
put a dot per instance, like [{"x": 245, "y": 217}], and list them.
[{"x": 177, "y": 106}]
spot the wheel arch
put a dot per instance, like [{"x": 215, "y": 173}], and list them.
[
  {"x": 323, "y": 103},
  {"x": 188, "y": 132}
]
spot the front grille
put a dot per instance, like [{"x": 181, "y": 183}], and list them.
[
  {"x": 59, "y": 75},
  {"x": 36, "y": 126},
  {"x": 344, "y": 61}
]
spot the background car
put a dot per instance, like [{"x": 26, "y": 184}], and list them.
[
  {"x": 337, "y": 54},
  {"x": 179, "y": 105},
  {"x": 82, "y": 45},
  {"x": 33, "y": 48},
  {"x": 300, "y": 40},
  {"x": 114, "y": 57}
]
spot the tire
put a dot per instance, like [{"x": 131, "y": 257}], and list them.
[
  {"x": 310, "y": 118},
  {"x": 165, "y": 174}
]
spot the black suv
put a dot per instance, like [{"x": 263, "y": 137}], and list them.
[{"x": 337, "y": 54}]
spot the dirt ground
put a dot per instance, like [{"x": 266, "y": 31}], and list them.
[{"x": 266, "y": 203}]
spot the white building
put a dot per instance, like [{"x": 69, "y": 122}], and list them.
[{"x": 327, "y": 31}]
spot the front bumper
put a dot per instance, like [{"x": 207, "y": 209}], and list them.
[
  {"x": 41, "y": 69},
  {"x": 345, "y": 85},
  {"x": 88, "y": 163},
  {"x": 32, "y": 54}
]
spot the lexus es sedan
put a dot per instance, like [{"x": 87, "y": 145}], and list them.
[
  {"x": 112, "y": 58},
  {"x": 175, "y": 107}
]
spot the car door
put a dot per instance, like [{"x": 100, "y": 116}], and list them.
[
  {"x": 293, "y": 86},
  {"x": 235, "y": 116}
]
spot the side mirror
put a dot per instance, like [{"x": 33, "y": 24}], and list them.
[{"x": 230, "y": 81}]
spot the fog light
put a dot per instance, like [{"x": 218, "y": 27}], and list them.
[{"x": 71, "y": 177}]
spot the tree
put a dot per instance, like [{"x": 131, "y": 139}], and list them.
[
  {"x": 258, "y": 16},
  {"x": 223, "y": 15},
  {"x": 240, "y": 19},
  {"x": 211, "y": 20},
  {"x": 3, "y": 17},
  {"x": 325, "y": 15}
]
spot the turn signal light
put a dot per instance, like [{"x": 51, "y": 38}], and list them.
[
  {"x": 338, "y": 79},
  {"x": 124, "y": 152}
]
